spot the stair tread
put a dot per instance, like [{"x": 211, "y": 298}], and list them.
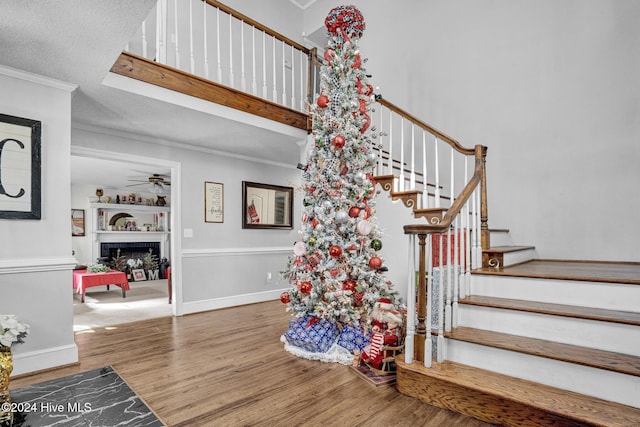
[
  {"x": 430, "y": 209},
  {"x": 404, "y": 193},
  {"x": 589, "y": 313},
  {"x": 561, "y": 402},
  {"x": 505, "y": 249},
  {"x": 590, "y": 271},
  {"x": 615, "y": 362}
]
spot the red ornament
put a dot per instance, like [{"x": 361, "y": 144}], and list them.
[
  {"x": 305, "y": 287},
  {"x": 314, "y": 222},
  {"x": 323, "y": 101},
  {"x": 339, "y": 141},
  {"x": 369, "y": 90},
  {"x": 349, "y": 285},
  {"x": 334, "y": 272},
  {"x": 366, "y": 123},
  {"x": 354, "y": 211},
  {"x": 284, "y": 297},
  {"x": 335, "y": 251},
  {"x": 356, "y": 62},
  {"x": 375, "y": 263},
  {"x": 328, "y": 55}
]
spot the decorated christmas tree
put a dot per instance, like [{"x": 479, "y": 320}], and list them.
[{"x": 336, "y": 271}]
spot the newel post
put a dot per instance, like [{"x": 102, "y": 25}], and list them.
[{"x": 484, "y": 210}]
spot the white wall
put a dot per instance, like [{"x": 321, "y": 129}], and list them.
[
  {"x": 550, "y": 87},
  {"x": 35, "y": 255}
]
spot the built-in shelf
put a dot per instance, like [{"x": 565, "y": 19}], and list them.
[
  {"x": 124, "y": 207},
  {"x": 101, "y": 219}
]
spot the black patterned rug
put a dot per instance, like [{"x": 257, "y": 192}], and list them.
[{"x": 94, "y": 398}]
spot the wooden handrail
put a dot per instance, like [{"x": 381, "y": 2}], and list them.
[
  {"x": 223, "y": 7},
  {"x": 463, "y": 197},
  {"x": 444, "y": 137}
]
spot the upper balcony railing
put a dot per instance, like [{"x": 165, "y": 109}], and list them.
[{"x": 210, "y": 40}]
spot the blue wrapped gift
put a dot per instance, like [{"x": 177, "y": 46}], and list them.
[
  {"x": 353, "y": 338},
  {"x": 317, "y": 337}
]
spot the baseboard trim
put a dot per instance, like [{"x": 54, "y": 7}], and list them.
[
  {"x": 231, "y": 301},
  {"x": 39, "y": 360}
]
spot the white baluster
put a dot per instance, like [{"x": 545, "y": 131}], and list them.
[
  {"x": 218, "y": 37},
  {"x": 412, "y": 177},
  {"x": 293, "y": 80},
  {"x": 158, "y": 57},
  {"x": 428, "y": 347},
  {"x": 264, "y": 66},
  {"x": 144, "y": 39},
  {"x": 204, "y": 30},
  {"x": 273, "y": 58},
  {"x": 425, "y": 187},
  {"x": 231, "y": 76},
  {"x": 175, "y": 28},
  {"x": 441, "y": 293},
  {"x": 411, "y": 302},
  {"x": 254, "y": 82},
  {"x": 284, "y": 77},
  {"x": 390, "y": 161},
  {"x": 464, "y": 288},
  {"x": 402, "y": 178},
  {"x": 456, "y": 272},
  {"x": 243, "y": 80},
  {"x": 478, "y": 233},
  {"x": 302, "y": 79},
  {"x": 447, "y": 306},
  {"x": 379, "y": 166},
  {"x": 192, "y": 61},
  {"x": 437, "y": 168}
]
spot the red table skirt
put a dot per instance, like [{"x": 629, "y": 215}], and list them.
[{"x": 83, "y": 280}]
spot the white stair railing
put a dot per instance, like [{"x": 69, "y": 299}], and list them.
[
  {"x": 184, "y": 34},
  {"x": 450, "y": 250}
]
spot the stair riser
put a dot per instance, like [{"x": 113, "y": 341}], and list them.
[
  {"x": 518, "y": 257},
  {"x": 607, "y": 336},
  {"x": 594, "y": 382},
  {"x": 610, "y": 296},
  {"x": 500, "y": 238}
]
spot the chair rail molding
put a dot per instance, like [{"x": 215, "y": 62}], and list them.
[{"x": 36, "y": 264}]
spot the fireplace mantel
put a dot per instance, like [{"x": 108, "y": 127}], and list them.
[{"x": 100, "y": 212}]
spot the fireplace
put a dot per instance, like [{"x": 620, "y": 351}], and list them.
[{"x": 135, "y": 250}]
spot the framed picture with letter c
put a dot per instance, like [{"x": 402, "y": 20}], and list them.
[{"x": 20, "y": 159}]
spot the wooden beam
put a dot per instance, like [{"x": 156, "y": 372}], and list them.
[{"x": 145, "y": 70}]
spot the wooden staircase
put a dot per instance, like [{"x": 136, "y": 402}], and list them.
[
  {"x": 521, "y": 359},
  {"x": 537, "y": 342}
]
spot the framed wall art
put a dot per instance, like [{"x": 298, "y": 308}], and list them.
[
  {"x": 77, "y": 222},
  {"x": 213, "y": 202},
  {"x": 266, "y": 206},
  {"x": 20, "y": 163}
]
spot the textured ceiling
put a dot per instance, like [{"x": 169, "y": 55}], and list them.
[{"x": 77, "y": 41}]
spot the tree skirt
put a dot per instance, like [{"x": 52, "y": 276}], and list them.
[{"x": 335, "y": 354}]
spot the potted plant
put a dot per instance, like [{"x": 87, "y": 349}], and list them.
[{"x": 11, "y": 331}]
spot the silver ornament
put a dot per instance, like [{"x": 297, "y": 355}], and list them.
[
  {"x": 341, "y": 217},
  {"x": 359, "y": 177},
  {"x": 372, "y": 158},
  {"x": 327, "y": 204}
]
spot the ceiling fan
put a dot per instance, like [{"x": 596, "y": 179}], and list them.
[{"x": 156, "y": 182}]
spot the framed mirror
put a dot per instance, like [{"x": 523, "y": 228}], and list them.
[{"x": 266, "y": 206}]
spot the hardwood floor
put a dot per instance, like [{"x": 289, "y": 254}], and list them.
[{"x": 228, "y": 368}]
